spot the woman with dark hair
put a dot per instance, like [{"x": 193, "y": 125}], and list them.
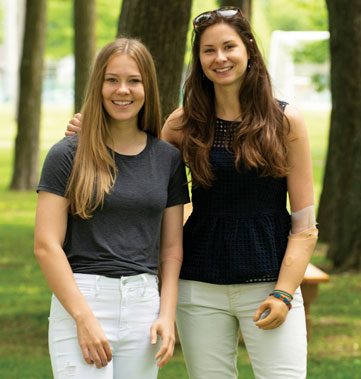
[
  {"x": 110, "y": 202},
  {"x": 244, "y": 254}
]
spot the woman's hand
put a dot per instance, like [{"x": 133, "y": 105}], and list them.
[
  {"x": 93, "y": 342},
  {"x": 165, "y": 329},
  {"x": 278, "y": 312},
  {"x": 74, "y": 125}
]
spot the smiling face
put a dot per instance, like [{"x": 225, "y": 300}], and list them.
[
  {"x": 223, "y": 55},
  {"x": 123, "y": 90}
]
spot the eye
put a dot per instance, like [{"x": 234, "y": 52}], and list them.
[
  {"x": 110, "y": 80},
  {"x": 207, "y": 51},
  {"x": 229, "y": 47},
  {"x": 135, "y": 80}
]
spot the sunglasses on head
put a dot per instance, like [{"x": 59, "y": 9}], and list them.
[{"x": 224, "y": 12}]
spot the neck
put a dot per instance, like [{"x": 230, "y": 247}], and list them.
[
  {"x": 126, "y": 138},
  {"x": 227, "y": 103}
]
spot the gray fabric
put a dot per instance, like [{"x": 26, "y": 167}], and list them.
[{"x": 122, "y": 238}]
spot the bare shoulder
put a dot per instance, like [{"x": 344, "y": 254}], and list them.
[
  {"x": 171, "y": 131},
  {"x": 296, "y": 122}
]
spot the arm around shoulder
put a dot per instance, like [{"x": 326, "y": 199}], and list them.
[{"x": 171, "y": 131}]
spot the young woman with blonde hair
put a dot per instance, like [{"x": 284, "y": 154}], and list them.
[{"x": 110, "y": 202}]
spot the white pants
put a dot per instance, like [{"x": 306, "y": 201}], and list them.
[
  {"x": 208, "y": 320},
  {"x": 126, "y": 309}
]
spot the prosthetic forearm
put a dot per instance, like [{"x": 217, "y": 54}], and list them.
[{"x": 301, "y": 243}]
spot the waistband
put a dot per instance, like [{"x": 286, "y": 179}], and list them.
[{"x": 100, "y": 281}]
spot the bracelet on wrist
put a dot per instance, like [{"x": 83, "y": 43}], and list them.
[
  {"x": 283, "y": 293},
  {"x": 282, "y": 298}
]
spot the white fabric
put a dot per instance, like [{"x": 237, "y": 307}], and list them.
[
  {"x": 209, "y": 317},
  {"x": 126, "y": 309},
  {"x": 303, "y": 219}
]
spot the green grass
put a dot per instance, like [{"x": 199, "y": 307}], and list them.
[{"x": 334, "y": 350}]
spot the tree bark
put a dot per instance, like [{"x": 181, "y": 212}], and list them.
[
  {"x": 162, "y": 26},
  {"x": 244, "y": 5},
  {"x": 340, "y": 205},
  {"x": 84, "y": 47},
  {"x": 25, "y": 173}
]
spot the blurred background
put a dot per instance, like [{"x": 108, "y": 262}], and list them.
[{"x": 313, "y": 52}]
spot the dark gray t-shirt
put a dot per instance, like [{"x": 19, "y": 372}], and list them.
[{"x": 122, "y": 238}]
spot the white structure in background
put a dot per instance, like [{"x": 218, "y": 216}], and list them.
[
  {"x": 13, "y": 26},
  {"x": 58, "y": 75},
  {"x": 291, "y": 81},
  {"x": 58, "y": 84}
]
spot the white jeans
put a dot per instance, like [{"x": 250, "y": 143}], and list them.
[
  {"x": 126, "y": 309},
  {"x": 209, "y": 317}
]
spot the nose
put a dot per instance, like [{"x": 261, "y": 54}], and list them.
[
  {"x": 220, "y": 57},
  {"x": 123, "y": 88}
]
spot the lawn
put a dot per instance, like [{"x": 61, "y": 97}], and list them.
[{"x": 334, "y": 350}]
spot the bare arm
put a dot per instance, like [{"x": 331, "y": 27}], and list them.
[
  {"x": 300, "y": 246},
  {"x": 171, "y": 255},
  {"x": 300, "y": 189},
  {"x": 50, "y": 229},
  {"x": 171, "y": 132}
]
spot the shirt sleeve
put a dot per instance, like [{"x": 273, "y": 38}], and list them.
[
  {"x": 57, "y": 168},
  {"x": 178, "y": 186}
]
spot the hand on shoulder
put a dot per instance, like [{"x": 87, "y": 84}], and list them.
[
  {"x": 74, "y": 125},
  {"x": 171, "y": 131}
]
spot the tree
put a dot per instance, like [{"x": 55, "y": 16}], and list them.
[
  {"x": 84, "y": 46},
  {"x": 162, "y": 26},
  {"x": 244, "y": 5},
  {"x": 340, "y": 205},
  {"x": 25, "y": 173}
]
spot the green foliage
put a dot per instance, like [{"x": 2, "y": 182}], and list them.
[
  {"x": 315, "y": 52},
  {"x": 59, "y": 41},
  {"x": 296, "y": 14},
  {"x": 320, "y": 81},
  {"x": 60, "y": 29},
  {"x": 107, "y": 14},
  {"x": 287, "y": 15}
]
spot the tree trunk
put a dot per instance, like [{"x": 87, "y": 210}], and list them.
[
  {"x": 25, "y": 174},
  {"x": 162, "y": 26},
  {"x": 340, "y": 206},
  {"x": 244, "y": 5},
  {"x": 84, "y": 47}
]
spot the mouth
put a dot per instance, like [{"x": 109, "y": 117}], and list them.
[
  {"x": 224, "y": 69},
  {"x": 122, "y": 102}
]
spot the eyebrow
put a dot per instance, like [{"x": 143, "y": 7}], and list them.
[
  {"x": 130, "y": 76},
  {"x": 224, "y": 43}
]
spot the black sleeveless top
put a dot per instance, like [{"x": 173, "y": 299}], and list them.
[{"x": 237, "y": 232}]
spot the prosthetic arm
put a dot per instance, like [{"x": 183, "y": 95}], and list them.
[{"x": 301, "y": 243}]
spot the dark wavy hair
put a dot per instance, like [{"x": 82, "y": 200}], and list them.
[{"x": 259, "y": 140}]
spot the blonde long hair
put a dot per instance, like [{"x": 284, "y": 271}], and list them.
[{"x": 94, "y": 169}]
